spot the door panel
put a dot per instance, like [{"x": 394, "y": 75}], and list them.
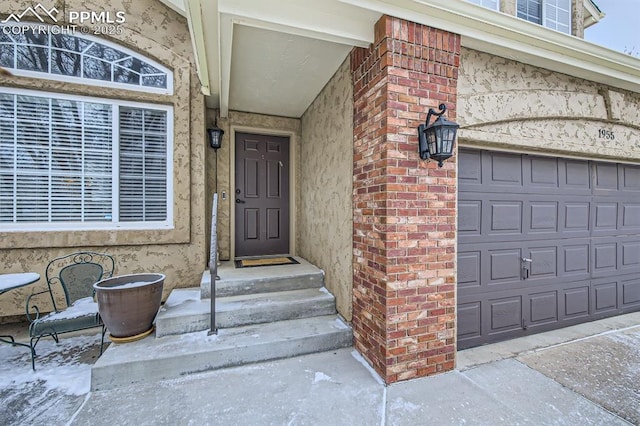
[
  {"x": 543, "y": 243},
  {"x": 262, "y": 195}
]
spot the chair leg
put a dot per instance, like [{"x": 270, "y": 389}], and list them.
[{"x": 32, "y": 346}]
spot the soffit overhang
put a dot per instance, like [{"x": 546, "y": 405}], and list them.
[{"x": 342, "y": 24}]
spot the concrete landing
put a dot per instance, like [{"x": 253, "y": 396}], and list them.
[
  {"x": 152, "y": 359},
  {"x": 267, "y": 279}
]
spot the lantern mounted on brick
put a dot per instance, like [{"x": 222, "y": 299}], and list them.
[
  {"x": 215, "y": 136},
  {"x": 437, "y": 140}
]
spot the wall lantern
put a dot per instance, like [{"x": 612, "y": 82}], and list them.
[
  {"x": 215, "y": 136},
  {"x": 437, "y": 140}
]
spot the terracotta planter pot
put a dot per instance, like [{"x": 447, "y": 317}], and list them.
[{"x": 128, "y": 304}]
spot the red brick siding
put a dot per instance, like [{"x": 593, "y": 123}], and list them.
[{"x": 404, "y": 208}]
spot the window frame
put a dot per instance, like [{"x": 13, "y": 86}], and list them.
[
  {"x": 543, "y": 17},
  {"x": 481, "y": 4},
  {"x": 93, "y": 82},
  {"x": 115, "y": 104}
]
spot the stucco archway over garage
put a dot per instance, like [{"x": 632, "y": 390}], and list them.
[{"x": 553, "y": 239}]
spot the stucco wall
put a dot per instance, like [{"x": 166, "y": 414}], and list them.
[
  {"x": 326, "y": 160},
  {"x": 222, "y": 162},
  {"x": 505, "y": 104},
  {"x": 159, "y": 33}
]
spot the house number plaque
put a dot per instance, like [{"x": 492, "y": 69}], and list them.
[{"x": 606, "y": 134}]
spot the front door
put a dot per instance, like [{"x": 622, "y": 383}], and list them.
[{"x": 262, "y": 195}]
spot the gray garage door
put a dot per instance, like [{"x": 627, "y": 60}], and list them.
[{"x": 544, "y": 243}]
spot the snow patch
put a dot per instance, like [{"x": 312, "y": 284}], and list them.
[
  {"x": 340, "y": 324},
  {"x": 58, "y": 366},
  {"x": 80, "y": 308},
  {"x": 321, "y": 377},
  {"x": 404, "y": 405}
]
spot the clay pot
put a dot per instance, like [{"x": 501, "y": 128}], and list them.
[{"x": 128, "y": 304}]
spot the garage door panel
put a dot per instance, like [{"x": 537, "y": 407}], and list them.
[
  {"x": 544, "y": 263},
  {"x": 631, "y": 293},
  {"x": 469, "y": 218},
  {"x": 579, "y": 223},
  {"x": 504, "y": 266},
  {"x": 469, "y": 321},
  {"x": 505, "y": 170},
  {"x": 630, "y": 178},
  {"x": 630, "y": 255},
  {"x": 575, "y": 302},
  {"x": 505, "y": 315},
  {"x": 605, "y": 215},
  {"x": 575, "y": 177},
  {"x": 541, "y": 173},
  {"x": 506, "y": 217},
  {"x": 471, "y": 174},
  {"x": 630, "y": 217},
  {"x": 469, "y": 269},
  {"x": 604, "y": 257},
  {"x": 543, "y": 309},
  {"x": 542, "y": 217},
  {"x": 574, "y": 260},
  {"x": 575, "y": 219},
  {"x": 605, "y": 297},
  {"x": 605, "y": 177}
]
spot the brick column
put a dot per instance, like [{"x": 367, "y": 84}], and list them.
[{"x": 404, "y": 319}]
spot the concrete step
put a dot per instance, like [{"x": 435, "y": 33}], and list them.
[
  {"x": 185, "y": 312},
  {"x": 152, "y": 359},
  {"x": 265, "y": 279}
]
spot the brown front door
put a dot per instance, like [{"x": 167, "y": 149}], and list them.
[{"x": 262, "y": 195}]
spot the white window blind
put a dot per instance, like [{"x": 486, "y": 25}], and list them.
[
  {"x": 143, "y": 164},
  {"x": 557, "y": 15},
  {"x": 531, "y": 10},
  {"x": 554, "y": 14},
  {"x": 73, "y": 161},
  {"x": 490, "y": 4}
]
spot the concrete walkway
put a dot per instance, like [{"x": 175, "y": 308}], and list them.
[{"x": 582, "y": 375}]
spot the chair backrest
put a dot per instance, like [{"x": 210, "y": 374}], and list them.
[
  {"x": 78, "y": 279},
  {"x": 77, "y": 272}
]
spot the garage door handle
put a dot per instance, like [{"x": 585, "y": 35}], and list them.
[{"x": 525, "y": 267}]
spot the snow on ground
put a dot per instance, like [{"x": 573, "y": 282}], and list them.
[{"x": 55, "y": 391}]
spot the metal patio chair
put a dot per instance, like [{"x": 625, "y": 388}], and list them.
[{"x": 75, "y": 274}]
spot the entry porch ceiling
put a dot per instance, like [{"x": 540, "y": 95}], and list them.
[{"x": 274, "y": 56}]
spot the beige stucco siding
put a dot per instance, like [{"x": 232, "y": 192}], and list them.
[
  {"x": 326, "y": 161},
  {"x": 159, "y": 33},
  {"x": 504, "y": 104}
]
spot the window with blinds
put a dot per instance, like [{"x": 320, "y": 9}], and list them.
[
  {"x": 490, "y": 4},
  {"x": 554, "y": 14},
  {"x": 531, "y": 10},
  {"x": 68, "y": 161}
]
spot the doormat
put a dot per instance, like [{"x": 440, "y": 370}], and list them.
[{"x": 265, "y": 261}]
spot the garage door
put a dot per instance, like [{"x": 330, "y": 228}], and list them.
[{"x": 544, "y": 243}]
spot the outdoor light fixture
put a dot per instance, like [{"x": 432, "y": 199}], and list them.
[
  {"x": 436, "y": 141},
  {"x": 215, "y": 136}
]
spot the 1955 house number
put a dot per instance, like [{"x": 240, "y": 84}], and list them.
[{"x": 606, "y": 134}]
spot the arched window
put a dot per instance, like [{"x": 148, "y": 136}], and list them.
[
  {"x": 64, "y": 56},
  {"x": 70, "y": 162}
]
